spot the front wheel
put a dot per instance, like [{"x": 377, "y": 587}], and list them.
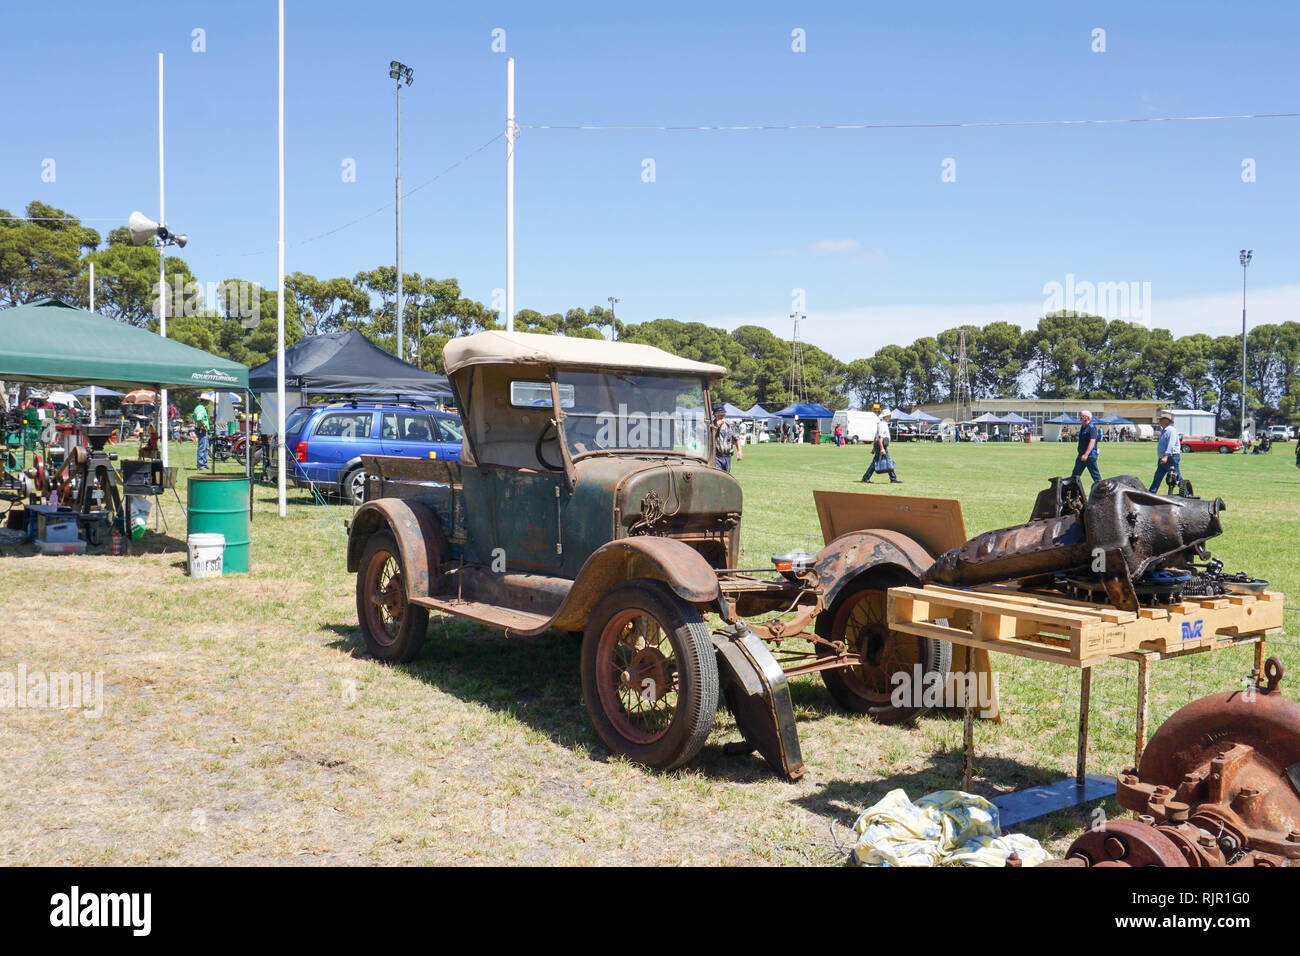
[
  {"x": 394, "y": 629},
  {"x": 860, "y": 619},
  {"x": 649, "y": 677},
  {"x": 1225, "y": 450}
]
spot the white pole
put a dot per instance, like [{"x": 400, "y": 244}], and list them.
[
  {"x": 164, "y": 408},
  {"x": 510, "y": 194},
  {"x": 92, "y": 309},
  {"x": 401, "y": 314},
  {"x": 279, "y": 294}
]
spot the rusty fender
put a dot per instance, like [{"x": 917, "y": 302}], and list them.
[
  {"x": 420, "y": 541},
  {"x": 850, "y": 554},
  {"x": 673, "y": 562}
]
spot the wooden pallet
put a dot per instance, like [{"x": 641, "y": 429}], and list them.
[{"x": 1077, "y": 633}]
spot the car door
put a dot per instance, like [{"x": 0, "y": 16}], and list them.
[
  {"x": 339, "y": 437},
  {"x": 450, "y": 434},
  {"x": 408, "y": 433}
]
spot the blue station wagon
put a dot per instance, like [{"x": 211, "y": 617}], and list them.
[{"x": 326, "y": 442}]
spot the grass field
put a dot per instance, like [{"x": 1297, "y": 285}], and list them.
[{"x": 244, "y": 723}]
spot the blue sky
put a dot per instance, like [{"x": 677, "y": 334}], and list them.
[{"x": 734, "y": 221}]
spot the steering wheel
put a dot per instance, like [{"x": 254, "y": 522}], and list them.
[{"x": 550, "y": 430}]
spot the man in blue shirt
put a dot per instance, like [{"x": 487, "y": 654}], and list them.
[
  {"x": 1169, "y": 451},
  {"x": 1088, "y": 438}
]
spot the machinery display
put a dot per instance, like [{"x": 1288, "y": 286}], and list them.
[
  {"x": 585, "y": 500},
  {"x": 1121, "y": 544},
  {"x": 1218, "y": 785}
]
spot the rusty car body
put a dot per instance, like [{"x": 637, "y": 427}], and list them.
[{"x": 586, "y": 500}]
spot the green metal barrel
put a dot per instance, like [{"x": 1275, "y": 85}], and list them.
[{"x": 219, "y": 505}]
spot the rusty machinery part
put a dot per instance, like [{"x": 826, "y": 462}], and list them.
[
  {"x": 1124, "y": 531},
  {"x": 1218, "y": 785}
]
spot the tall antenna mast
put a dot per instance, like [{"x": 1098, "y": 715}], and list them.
[
  {"x": 798, "y": 383},
  {"x": 961, "y": 394}
]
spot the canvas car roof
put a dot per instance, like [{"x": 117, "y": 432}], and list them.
[{"x": 530, "y": 348}]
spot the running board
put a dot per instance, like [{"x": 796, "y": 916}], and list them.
[{"x": 493, "y": 615}]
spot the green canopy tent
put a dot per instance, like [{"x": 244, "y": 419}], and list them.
[{"x": 51, "y": 341}]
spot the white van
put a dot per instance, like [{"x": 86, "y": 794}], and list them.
[
  {"x": 66, "y": 399},
  {"x": 859, "y": 426}
]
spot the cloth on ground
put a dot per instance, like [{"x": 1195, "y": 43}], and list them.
[{"x": 947, "y": 828}]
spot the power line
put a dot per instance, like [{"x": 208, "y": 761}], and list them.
[
  {"x": 329, "y": 232},
  {"x": 871, "y": 126}
]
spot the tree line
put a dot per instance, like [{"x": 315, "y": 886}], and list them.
[{"x": 1062, "y": 355}]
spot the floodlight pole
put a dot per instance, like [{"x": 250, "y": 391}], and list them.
[
  {"x": 401, "y": 345},
  {"x": 510, "y": 194},
  {"x": 1246, "y": 256},
  {"x": 613, "y": 326},
  {"x": 164, "y": 408},
  {"x": 279, "y": 287}
]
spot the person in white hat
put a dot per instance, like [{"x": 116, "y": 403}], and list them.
[
  {"x": 1170, "y": 450},
  {"x": 881, "y": 453}
]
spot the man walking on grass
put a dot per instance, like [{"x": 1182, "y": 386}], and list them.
[
  {"x": 1169, "y": 451},
  {"x": 1087, "y": 457},
  {"x": 881, "y": 452}
]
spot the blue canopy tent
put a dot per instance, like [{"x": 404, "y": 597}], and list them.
[
  {"x": 1055, "y": 425},
  {"x": 1011, "y": 418},
  {"x": 96, "y": 392},
  {"x": 805, "y": 412},
  {"x": 901, "y": 416},
  {"x": 731, "y": 411},
  {"x": 758, "y": 411},
  {"x": 920, "y": 416}
]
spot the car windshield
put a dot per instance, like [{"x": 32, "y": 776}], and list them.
[{"x": 619, "y": 413}]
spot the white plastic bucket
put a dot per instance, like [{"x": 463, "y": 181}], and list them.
[{"x": 205, "y": 552}]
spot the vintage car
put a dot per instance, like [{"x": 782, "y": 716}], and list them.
[
  {"x": 586, "y": 500},
  {"x": 1224, "y": 446}
]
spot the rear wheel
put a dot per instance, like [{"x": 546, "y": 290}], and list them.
[
  {"x": 649, "y": 677},
  {"x": 353, "y": 486},
  {"x": 393, "y": 628},
  {"x": 860, "y": 619}
]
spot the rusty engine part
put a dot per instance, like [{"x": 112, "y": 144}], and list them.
[
  {"x": 1218, "y": 785},
  {"x": 1122, "y": 534}
]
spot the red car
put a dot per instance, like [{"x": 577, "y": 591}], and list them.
[{"x": 1224, "y": 446}]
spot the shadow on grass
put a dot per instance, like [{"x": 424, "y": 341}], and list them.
[{"x": 535, "y": 680}]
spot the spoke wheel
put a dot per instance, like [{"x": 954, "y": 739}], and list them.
[
  {"x": 860, "y": 620},
  {"x": 393, "y": 628},
  {"x": 649, "y": 676}
]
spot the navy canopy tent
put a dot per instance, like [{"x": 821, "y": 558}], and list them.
[
  {"x": 1011, "y": 418},
  {"x": 920, "y": 416},
  {"x": 1063, "y": 419},
  {"x": 758, "y": 411},
  {"x": 347, "y": 363}
]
